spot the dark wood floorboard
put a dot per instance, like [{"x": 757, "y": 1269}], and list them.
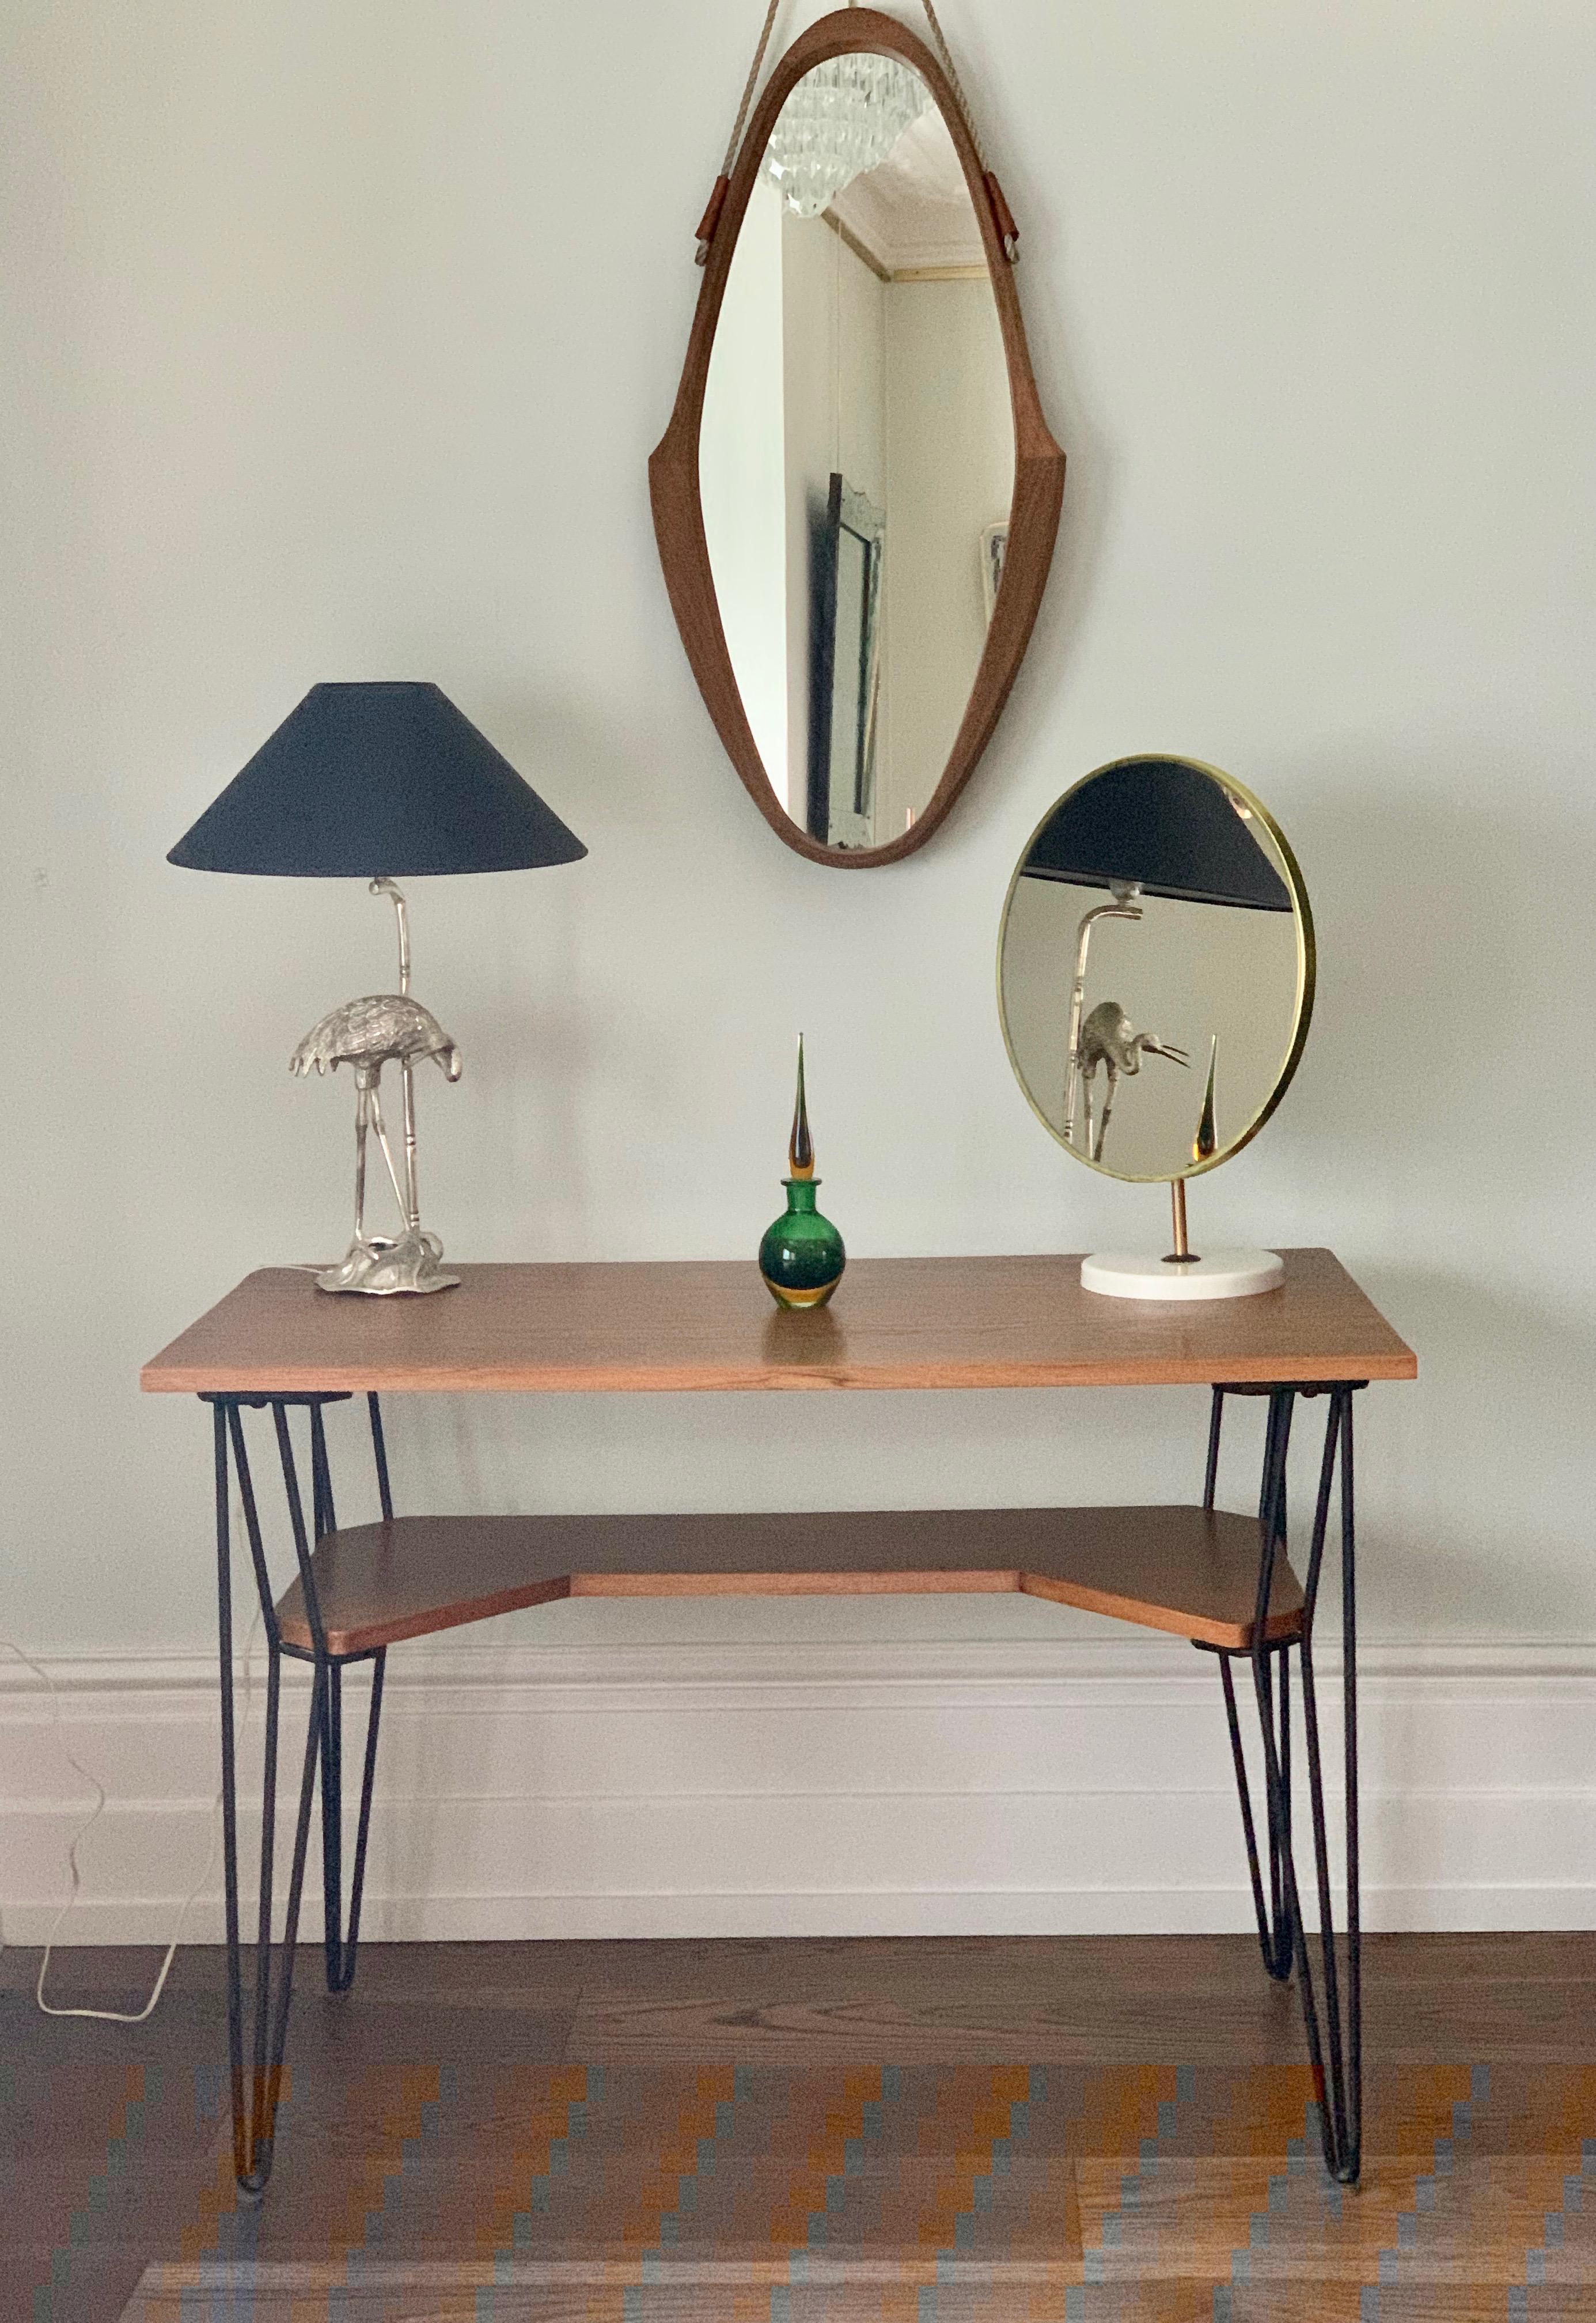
[{"x": 555, "y": 2101}]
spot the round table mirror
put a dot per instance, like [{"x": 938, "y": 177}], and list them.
[{"x": 1155, "y": 979}]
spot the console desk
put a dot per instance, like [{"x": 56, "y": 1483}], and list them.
[{"x": 279, "y": 1344}]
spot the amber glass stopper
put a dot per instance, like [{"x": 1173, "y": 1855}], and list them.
[{"x": 801, "y": 1145}]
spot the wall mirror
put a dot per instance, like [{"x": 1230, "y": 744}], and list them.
[
  {"x": 857, "y": 498},
  {"x": 1155, "y": 980}
]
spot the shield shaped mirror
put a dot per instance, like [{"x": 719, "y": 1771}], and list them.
[{"x": 857, "y": 498}]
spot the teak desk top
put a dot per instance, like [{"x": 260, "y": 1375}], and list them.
[{"x": 695, "y": 1325}]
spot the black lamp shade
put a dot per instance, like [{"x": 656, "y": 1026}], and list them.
[
  {"x": 372, "y": 782},
  {"x": 1163, "y": 825}
]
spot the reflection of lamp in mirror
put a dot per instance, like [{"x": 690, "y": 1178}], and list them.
[
  {"x": 1223, "y": 946},
  {"x": 1124, "y": 907},
  {"x": 1108, "y": 1038}
]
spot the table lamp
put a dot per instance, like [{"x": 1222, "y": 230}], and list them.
[{"x": 378, "y": 781}]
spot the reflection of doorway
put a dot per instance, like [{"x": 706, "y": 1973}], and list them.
[{"x": 848, "y": 547}]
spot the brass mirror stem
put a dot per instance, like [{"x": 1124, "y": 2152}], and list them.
[{"x": 1183, "y": 1253}]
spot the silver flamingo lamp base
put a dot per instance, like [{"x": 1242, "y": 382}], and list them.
[
  {"x": 384, "y": 1028},
  {"x": 381, "y": 1269}
]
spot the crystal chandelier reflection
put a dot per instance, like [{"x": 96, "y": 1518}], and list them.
[{"x": 841, "y": 119}]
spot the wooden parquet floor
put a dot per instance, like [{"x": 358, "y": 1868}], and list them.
[{"x": 923, "y": 2131}]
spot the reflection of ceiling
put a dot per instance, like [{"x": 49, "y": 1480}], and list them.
[{"x": 912, "y": 217}]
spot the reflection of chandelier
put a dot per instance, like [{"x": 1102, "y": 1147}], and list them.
[{"x": 841, "y": 119}]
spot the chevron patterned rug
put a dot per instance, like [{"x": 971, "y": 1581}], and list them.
[{"x": 925, "y": 2194}]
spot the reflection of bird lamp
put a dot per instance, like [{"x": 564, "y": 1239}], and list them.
[
  {"x": 1108, "y": 1039},
  {"x": 376, "y": 782},
  {"x": 1150, "y": 827}
]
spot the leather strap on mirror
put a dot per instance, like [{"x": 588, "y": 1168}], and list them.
[
  {"x": 717, "y": 201},
  {"x": 1003, "y": 217}
]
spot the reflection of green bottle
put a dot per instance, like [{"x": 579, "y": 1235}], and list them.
[
  {"x": 1206, "y": 1143},
  {"x": 801, "y": 1256}
]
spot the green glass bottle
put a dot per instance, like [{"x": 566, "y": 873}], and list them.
[{"x": 801, "y": 1256}]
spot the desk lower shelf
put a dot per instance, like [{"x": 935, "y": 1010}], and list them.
[{"x": 1189, "y": 1571}]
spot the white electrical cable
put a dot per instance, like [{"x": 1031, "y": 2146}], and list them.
[{"x": 116, "y": 2016}]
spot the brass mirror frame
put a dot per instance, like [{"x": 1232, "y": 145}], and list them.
[
  {"x": 1302, "y": 922},
  {"x": 674, "y": 474}
]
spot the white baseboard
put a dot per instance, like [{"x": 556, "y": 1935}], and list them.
[{"x": 535, "y": 1790}]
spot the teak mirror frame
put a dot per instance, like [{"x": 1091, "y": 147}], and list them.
[{"x": 674, "y": 477}]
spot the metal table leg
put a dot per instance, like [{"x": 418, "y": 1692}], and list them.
[
  {"x": 1336, "y": 2046},
  {"x": 254, "y": 2121}
]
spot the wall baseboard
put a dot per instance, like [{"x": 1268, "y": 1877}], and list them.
[{"x": 704, "y": 1790}]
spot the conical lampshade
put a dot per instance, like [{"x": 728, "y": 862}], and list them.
[
  {"x": 1164, "y": 826},
  {"x": 385, "y": 781}
]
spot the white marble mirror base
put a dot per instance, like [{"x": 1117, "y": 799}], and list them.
[{"x": 1216, "y": 1274}]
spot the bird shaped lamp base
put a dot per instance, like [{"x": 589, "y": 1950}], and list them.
[
  {"x": 382, "y": 1269},
  {"x": 384, "y": 1028}
]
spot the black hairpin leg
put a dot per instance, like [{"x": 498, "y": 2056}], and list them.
[
  {"x": 1274, "y": 1932},
  {"x": 1275, "y": 1937},
  {"x": 1335, "y": 2050},
  {"x": 341, "y": 1947},
  {"x": 254, "y": 2118}
]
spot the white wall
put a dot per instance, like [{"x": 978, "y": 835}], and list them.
[{"x": 334, "y": 341}]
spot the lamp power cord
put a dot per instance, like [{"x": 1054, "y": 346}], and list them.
[{"x": 118, "y": 2016}]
